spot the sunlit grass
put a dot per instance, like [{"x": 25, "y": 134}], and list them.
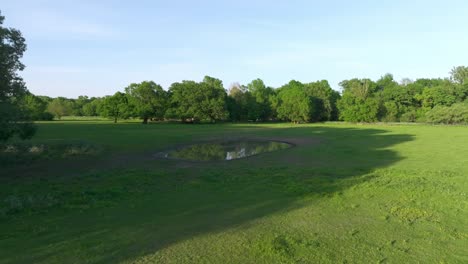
[{"x": 346, "y": 194}]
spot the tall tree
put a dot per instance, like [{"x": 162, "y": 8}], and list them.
[
  {"x": 459, "y": 74},
  {"x": 59, "y": 107},
  {"x": 13, "y": 119},
  {"x": 35, "y": 106},
  {"x": 148, "y": 99},
  {"x": 91, "y": 107},
  {"x": 198, "y": 101},
  {"x": 325, "y": 99},
  {"x": 237, "y": 102},
  {"x": 295, "y": 104},
  {"x": 115, "y": 106},
  {"x": 259, "y": 106},
  {"x": 358, "y": 102}
]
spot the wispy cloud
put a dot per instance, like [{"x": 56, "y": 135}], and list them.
[{"x": 48, "y": 22}]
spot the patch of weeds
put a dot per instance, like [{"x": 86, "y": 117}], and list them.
[
  {"x": 13, "y": 204},
  {"x": 24, "y": 152},
  {"x": 282, "y": 245},
  {"x": 411, "y": 214},
  {"x": 79, "y": 149}
]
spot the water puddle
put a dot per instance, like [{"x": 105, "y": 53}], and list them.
[{"x": 226, "y": 150}]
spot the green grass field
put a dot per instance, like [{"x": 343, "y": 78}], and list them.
[{"x": 345, "y": 194}]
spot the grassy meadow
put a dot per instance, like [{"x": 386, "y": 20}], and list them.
[{"x": 344, "y": 194}]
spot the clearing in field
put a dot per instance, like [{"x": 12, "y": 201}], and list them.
[{"x": 95, "y": 192}]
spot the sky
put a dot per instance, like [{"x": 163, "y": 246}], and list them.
[{"x": 96, "y": 48}]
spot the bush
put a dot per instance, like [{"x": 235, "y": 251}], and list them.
[
  {"x": 410, "y": 116},
  {"x": 455, "y": 114},
  {"x": 46, "y": 116},
  {"x": 26, "y": 130},
  {"x": 25, "y": 152}
]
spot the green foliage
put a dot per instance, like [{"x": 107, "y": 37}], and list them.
[
  {"x": 446, "y": 93},
  {"x": 353, "y": 109},
  {"x": 258, "y": 104},
  {"x": 59, "y": 107},
  {"x": 362, "y": 100},
  {"x": 115, "y": 107},
  {"x": 192, "y": 101},
  {"x": 459, "y": 74},
  {"x": 358, "y": 103},
  {"x": 13, "y": 116},
  {"x": 455, "y": 114},
  {"x": 295, "y": 104},
  {"x": 325, "y": 100},
  {"x": 148, "y": 100},
  {"x": 92, "y": 107},
  {"x": 34, "y": 105}
]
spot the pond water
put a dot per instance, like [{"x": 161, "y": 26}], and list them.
[{"x": 226, "y": 150}]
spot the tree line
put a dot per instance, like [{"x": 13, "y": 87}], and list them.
[{"x": 361, "y": 100}]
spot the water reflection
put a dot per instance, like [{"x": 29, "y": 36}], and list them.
[{"x": 228, "y": 150}]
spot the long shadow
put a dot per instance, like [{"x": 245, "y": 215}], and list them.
[{"x": 174, "y": 201}]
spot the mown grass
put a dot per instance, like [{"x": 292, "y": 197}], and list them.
[{"x": 346, "y": 194}]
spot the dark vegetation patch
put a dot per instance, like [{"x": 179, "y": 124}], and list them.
[{"x": 25, "y": 152}]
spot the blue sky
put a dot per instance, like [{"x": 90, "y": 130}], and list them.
[{"x": 98, "y": 47}]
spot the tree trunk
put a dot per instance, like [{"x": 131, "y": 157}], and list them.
[
  {"x": 115, "y": 119},
  {"x": 145, "y": 120}
]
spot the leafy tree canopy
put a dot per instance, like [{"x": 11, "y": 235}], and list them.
[{"x": 13, "y": 118}]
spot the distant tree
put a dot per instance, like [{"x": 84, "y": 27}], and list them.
[
  {"x": 325, "y": 100},
  {"x": 198, "y": 101},
  {"x": 295, "y": 104},
  {"x": 59, "y": 107},
  {"x": 78, "y": 104},
  {"x": 148, "y": 100},
  {"x": 273, "y": 100},
  {"x": 13, "y": 118},
  {"x": 91, "y": 108},
  {"x": 459, "y": 74},
  {"x": 444, "y": 93},
  {"x": 454, "y": 114},
  {"x": 237, "y": 102},
  {"x": 358, "y": 102},
  {"x": 258, "y": 104},
  {"x": 36, "y": 107},
  {"x": 115, "y": 107}
]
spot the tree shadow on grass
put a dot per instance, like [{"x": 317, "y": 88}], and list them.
[{"x": 172, "y": 201}]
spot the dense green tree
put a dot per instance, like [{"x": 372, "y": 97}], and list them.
[
  {"x": 115, "y": 107},
  {"x": 36, "y": 107},
  {"x": 192, "y": 101},
  {"x": 13, "y": 117},
  {"x": 258, "y": 104},
  {"x": 358, "y": 102},
  {"x": 78, "y": 104},
  {"x": 444, "y": 93},
  {"x": 454, "y": 114},
  {"x": 59, "y": 107},
  {"x": 237, "y": 102},
  {"x": 325, "y": 100},
  {"x": 148, "y": 100},
  {"x": 91, "y": 108},
  {"x": 392, "y": 99},
  {"x": 295, "y": 104}
]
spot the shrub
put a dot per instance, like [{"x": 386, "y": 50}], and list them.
[
  {"x": 455, "y": 114},
  {"x": 26, "y": 130}
]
